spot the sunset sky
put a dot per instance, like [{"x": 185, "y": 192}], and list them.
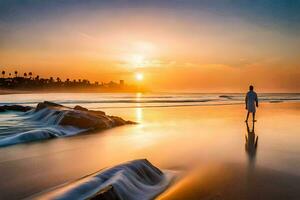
[{"x": 183, "y": 45}]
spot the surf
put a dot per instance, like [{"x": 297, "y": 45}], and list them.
[{"x": 50, "y": 120}]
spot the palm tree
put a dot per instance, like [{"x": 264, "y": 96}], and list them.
[
  {"x": 16, "y": 73},
  {"x": 9, "y": 75},
  {"x": 30, "y": 74},
  {"x": 3, "y": 73},
  {"x": 25, "y": 74}
]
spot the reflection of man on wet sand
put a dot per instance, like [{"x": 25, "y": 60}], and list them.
[{"x": 251, "y": 142}]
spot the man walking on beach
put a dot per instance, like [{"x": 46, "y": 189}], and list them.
[{"x": 251, "y": 101}]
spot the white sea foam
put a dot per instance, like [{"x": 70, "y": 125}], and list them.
[
  {"x": 40, "y": 133},
  {"x": 135, "y": 180},
  {"x": 33, "y": 126}
]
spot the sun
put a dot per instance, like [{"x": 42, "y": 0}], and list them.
[{"x": 139, "y": 76}]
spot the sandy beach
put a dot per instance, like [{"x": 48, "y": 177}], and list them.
[{"x": 205, "y": 145}]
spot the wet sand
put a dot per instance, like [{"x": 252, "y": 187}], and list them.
[
  {"x": 205, "y": 144},
  {"x": 234, "y": 181}
]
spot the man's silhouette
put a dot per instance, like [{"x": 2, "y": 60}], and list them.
[{"x": 251, "y": 102}]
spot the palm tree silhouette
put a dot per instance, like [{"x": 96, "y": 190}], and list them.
[{"x": 37, "y": 81}]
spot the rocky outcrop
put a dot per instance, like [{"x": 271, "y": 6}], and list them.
[
  {"x": 80, "y": 108},
  {"x": 81, "y": 117},
  {"x": 78, "y": 116},
  {"x": 47, "y": 104},
  {"x": 15, "y": 108},
  {"x": 51, "y": 120}
]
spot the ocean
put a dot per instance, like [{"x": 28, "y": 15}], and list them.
[
  {"x": 16, "y": 127},
  {"x": 98, "y": 101}
]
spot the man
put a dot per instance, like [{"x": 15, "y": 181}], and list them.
[{"x": 251, "y": 101}]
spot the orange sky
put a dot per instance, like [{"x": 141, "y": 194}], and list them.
[{"x": 176, "y": 49}]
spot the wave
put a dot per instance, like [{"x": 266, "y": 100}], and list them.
[
  {"x": 42, "y": 124},
  {"x": 134, "y": 180},
  {"x": 164, "y": 99},
  {"x": 42, "y": 133},
  {"x": 49, "y": 120},
  {"x": 121, "y": 101},
  {"x": 169, "y": 105}
]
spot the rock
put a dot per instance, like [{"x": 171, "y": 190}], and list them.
[
  {"x": 49, "y": 103},
  {"x": 77, "y": 107},
  {"x": 81, "y": 117},
  {"x": 118, "y": 121},
  {"x": 107, "y": 193},
  {"x": 15, "y": 108},
  {"x": 46, "y": 104},
  {"x": 97, "y": 112},
  {"x": 130, "y": 122},
  {"x": 135, "y": 180},
  {"x": 85, "y": 120}
]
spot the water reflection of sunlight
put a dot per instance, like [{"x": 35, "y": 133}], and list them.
[
  {"x": 138, "y": 96},
  {"x": 138, "y": 109},
  {"x": 139, "y": 114}
]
